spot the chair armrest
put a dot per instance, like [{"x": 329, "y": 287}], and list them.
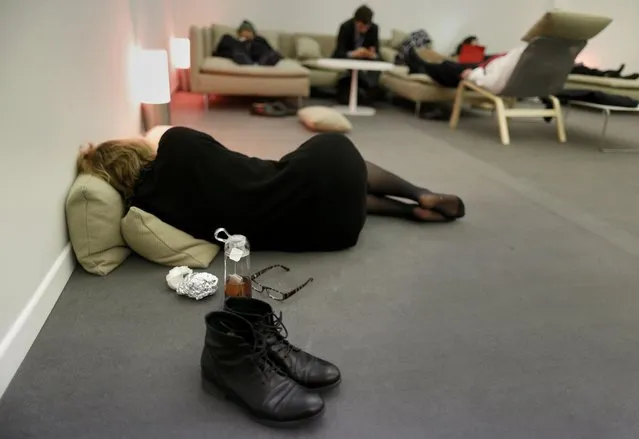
[{"x": 474, "y": 87}]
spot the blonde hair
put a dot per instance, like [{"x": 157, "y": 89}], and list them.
[{"x": 118, "y": 162}]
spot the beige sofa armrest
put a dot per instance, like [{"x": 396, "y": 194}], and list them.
[{"x": 196, "y": 35}]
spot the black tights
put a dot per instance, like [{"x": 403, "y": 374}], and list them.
[
  {"x": 383, "y": 184},
  {"x": 446, "y": 74}
]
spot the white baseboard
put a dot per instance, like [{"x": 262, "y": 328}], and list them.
[{"x": 18, "y": 340}]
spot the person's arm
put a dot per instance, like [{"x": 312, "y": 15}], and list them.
[
  {"x": 475, "y": 76},
  {"x": 261, "y": 40},
  {"x": 341, "y": 49},
  {"x": 375, "y": 38}
]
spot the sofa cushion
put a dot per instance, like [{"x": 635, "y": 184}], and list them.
[
  {"x": 163, "y": 244},
  {"x": 402, "y": 73},
  {"x": 286, "y": 68},
  {"x": 424, "y": 79},
  {"x": 624, "y": 84},
  {"x": 94, "y": 210},
  {"x": 397, "y": 38},
  {"x": 307, "y": 48},
  {"x": 388, "y": 54},
  {"x": 324, "y": 119},
  {"x": 398, "y": 71},
  {"x": 569, "y": 25}
]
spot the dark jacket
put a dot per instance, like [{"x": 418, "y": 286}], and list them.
[{"x": 346, "y": 39}]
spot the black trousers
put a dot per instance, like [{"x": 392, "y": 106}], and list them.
[{"x": 446, "y": 74}]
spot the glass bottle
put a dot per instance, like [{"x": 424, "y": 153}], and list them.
[{"x": 237, "y": 264}]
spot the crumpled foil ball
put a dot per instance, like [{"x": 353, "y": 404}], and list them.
[{"x": 194, "y": 285}]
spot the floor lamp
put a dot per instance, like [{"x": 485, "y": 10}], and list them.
[
  {"x": 181, "y": 58},
  {"x": 155, "y": 89}
]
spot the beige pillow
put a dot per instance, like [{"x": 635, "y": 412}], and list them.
[
  {"x": 388, "y": 54},
  {"x": 397, "y": 38},
  {"x": 569, "y": 25},
  {"x": 164, "y": 244},
  {"x": 94, "y": 210},
  {"x": 324, "y": 119},
  {"x": 307, "y": 48}
]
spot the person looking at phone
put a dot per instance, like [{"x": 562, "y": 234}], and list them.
[{"x": 358, "y": 37}]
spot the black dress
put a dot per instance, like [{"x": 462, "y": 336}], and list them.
[{"x": 312, "y": 199}]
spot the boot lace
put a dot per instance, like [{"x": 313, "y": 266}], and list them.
[
  {"x": 272, "y": 327},
  {"x": 260, "y": 358}
]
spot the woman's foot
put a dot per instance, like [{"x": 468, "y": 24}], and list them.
[
  {"x": 450, "y": 206},
  {"x": 429, "y": 216}
]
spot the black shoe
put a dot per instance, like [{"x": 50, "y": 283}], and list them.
[
  {"x": 308, "y": 370},
  {"x": 234, "y": 360}
]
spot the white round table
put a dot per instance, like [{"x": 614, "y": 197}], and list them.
[{"x": 355, "y": 65}]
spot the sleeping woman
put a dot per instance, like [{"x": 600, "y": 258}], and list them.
[{"x": 315, "y": 198}]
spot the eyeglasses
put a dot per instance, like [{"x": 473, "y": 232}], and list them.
[{"x": 272, "y": 292}]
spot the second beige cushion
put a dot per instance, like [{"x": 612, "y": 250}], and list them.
[
  {"x": 163, "y": 244},
  {"x": 307, "y": 48},
  {"x": 93, "y": 212},
  {"x": 324, "y": 119}
]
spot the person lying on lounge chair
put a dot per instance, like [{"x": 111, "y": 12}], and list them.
[
  {"x": 470, "y": 40},
  {"x": 247, "y": 48},
  {"x": 492, "y": 74}
]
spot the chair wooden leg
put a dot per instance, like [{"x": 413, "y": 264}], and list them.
[
  {"x": 457, "y": 106},
  {"x": 502, "y": 121},
  {"x": 559, "y": 119}
]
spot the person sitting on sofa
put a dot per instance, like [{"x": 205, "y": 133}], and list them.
[
  {"x": 358, "y": 38},
  {"x": 247, "y": 48},
  {"x": 492, "y": 74},
  {"x": 315, "y": 198}
]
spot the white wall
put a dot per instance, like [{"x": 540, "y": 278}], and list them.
[
  {"x": 447, "y": 22},
  {"x": 618, "y": 43},
  {"x": 498, "y": 23},
  {"x": 65, "y": 79}
]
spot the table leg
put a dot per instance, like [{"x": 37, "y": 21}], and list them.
[
  {"x": 352, "y": 109},
  {"x": 352, "y": 100}
]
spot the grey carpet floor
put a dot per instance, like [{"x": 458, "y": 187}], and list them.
[{"x": 518, "y": 322}]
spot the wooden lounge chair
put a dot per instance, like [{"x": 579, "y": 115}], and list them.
[{"x": 553, "y": 45}]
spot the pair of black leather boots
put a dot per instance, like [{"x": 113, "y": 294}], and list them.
[{"x": 247, "y": 356}]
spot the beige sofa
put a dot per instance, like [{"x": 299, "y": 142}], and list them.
[
  {"x": 215, "y": 75},
  {"x": 292, "y": 77},
  {"x": 615, "y": 86}
]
